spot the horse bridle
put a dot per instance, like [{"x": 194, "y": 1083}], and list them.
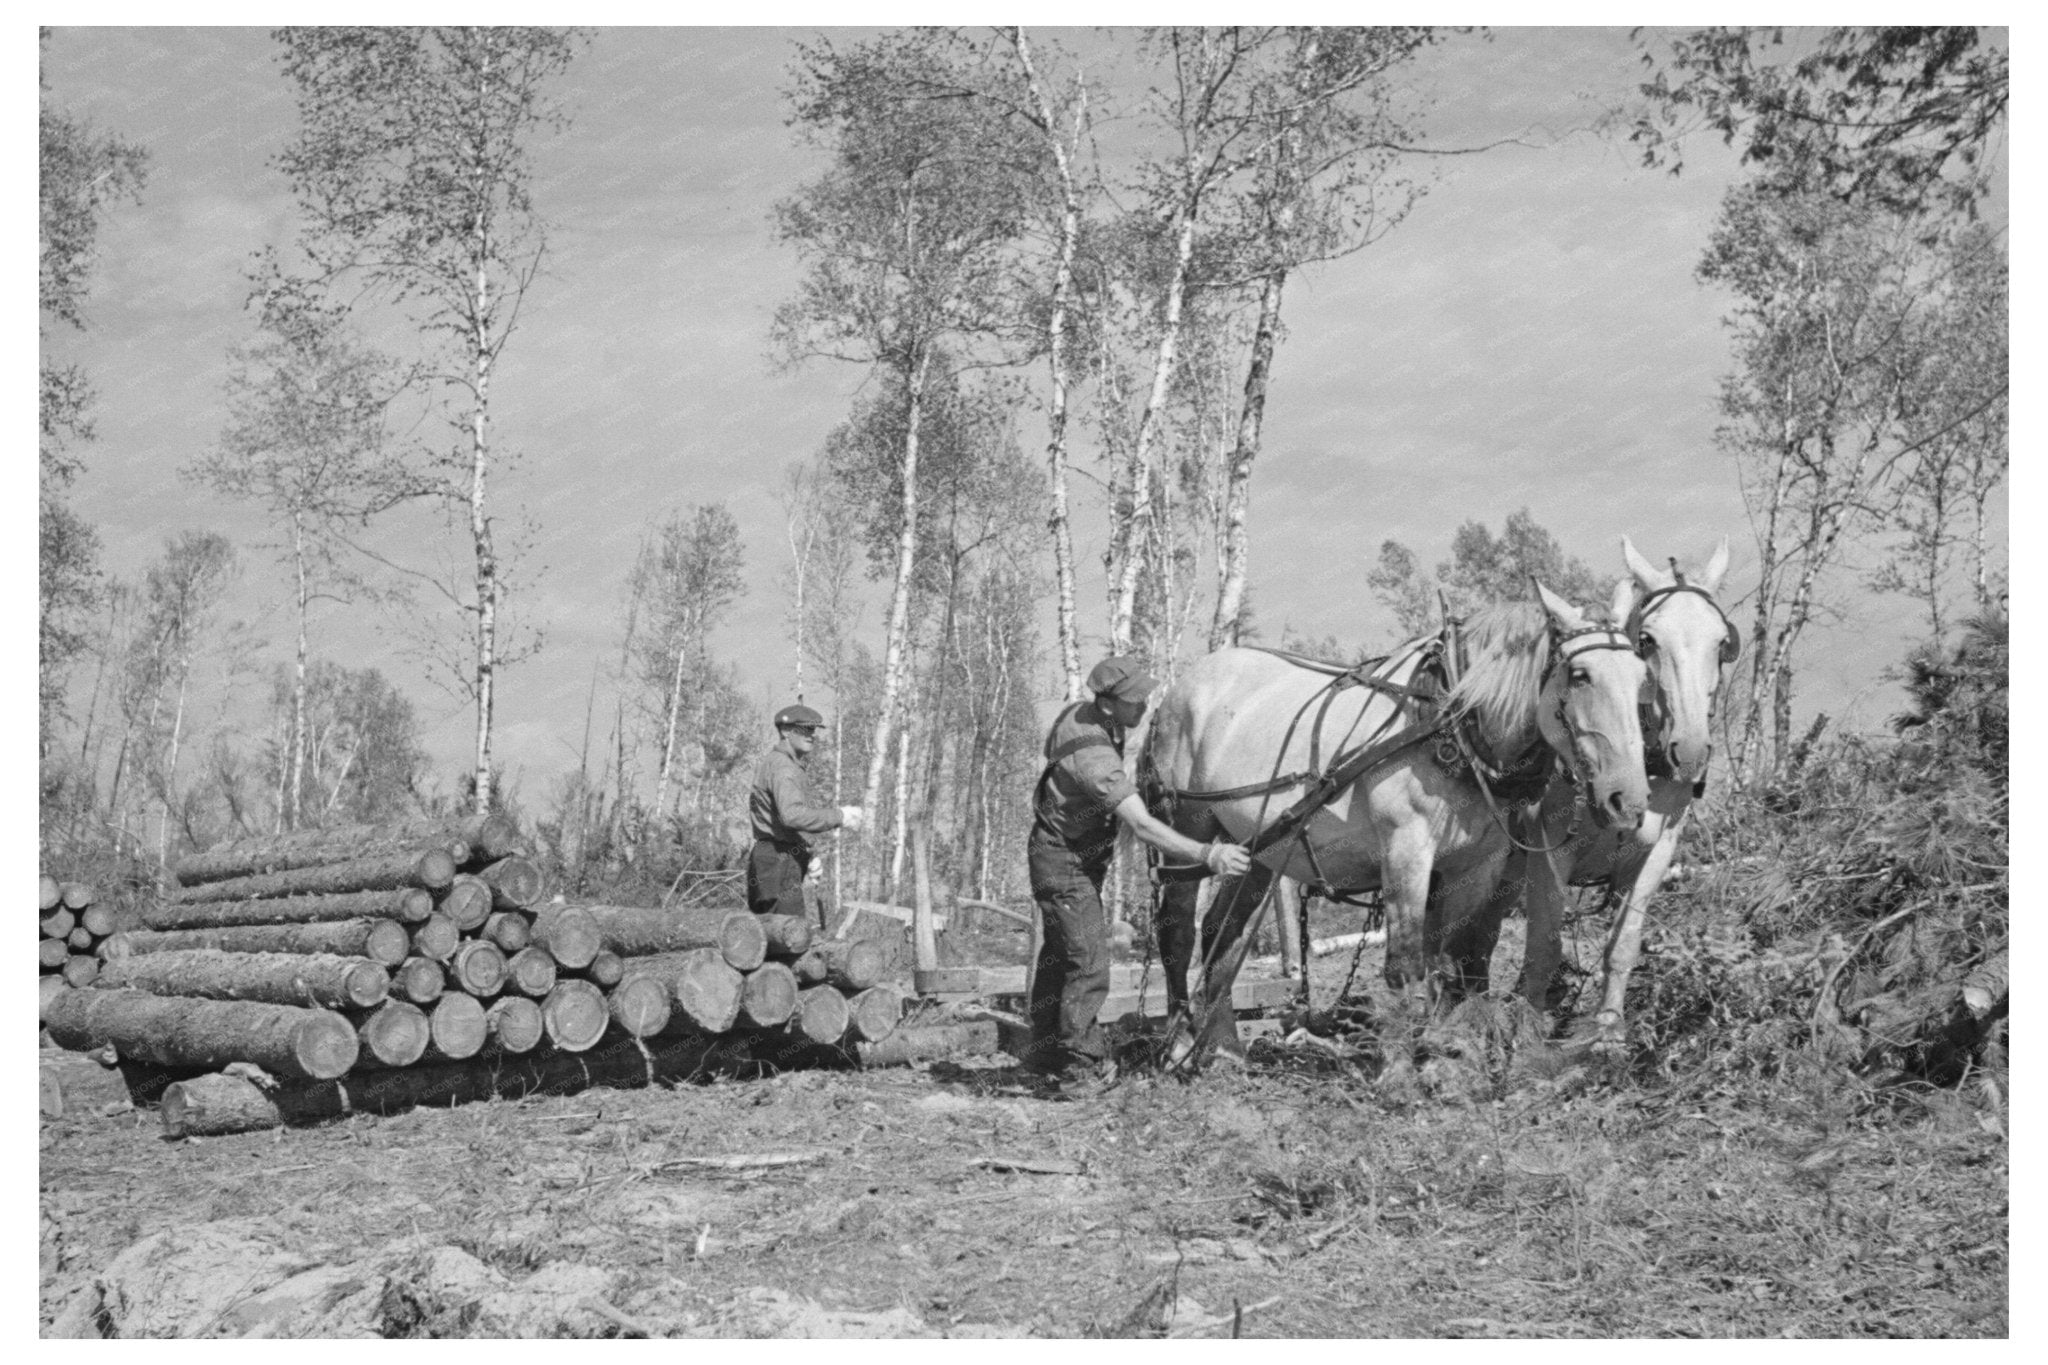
[
  {"x": 1561, "y": 655},
  {"x": 1656, "y": 714}
]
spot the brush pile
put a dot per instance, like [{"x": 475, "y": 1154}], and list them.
[
  {"x": 307, "y": 975},
  {"x": 74, "y": 922}
]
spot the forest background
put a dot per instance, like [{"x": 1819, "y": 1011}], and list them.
[{"x": 1523, "y": 343}]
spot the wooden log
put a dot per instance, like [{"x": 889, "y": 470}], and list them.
[
  {"x": 851, "y": 964},
  {"x": 511, "y": 930},
  {"x": 79, "y": 970},
  {"x": 456, "y": 1028},
  {"x": 466, "y": 903},
  {"x": 515, "y": 1025},
  {"x": 789, "y": 936},
  {"x": 626, "y": 1064},
  {"x": 215, "y": 1104},
  {"x": 317, "y": 980},
  {"x": 420, "y": 980},
  {"x": 383, "y": 941},
  {"x": 77, "y": 895},
  {"x": 516, "y": 883},
  {"x": 769, "y": 996},
  {"x": 58, "y": 923},
  {"x": 491, "y": 837},
  {"x": 52, "y": 953},
  {"x": 821, "y": 1015},
  {"x": 575, "y": 1015},
  {"x": 51, "y": 893},
  {"x": 634, "y": 931},
  {"x": 393, "y": 1034},
  {"x": 407, "y": 905},
  {"x": 81, "y": 939},
  {"x": 607, "y": 969},
  {"x": 100, "y": 919},
  {"x": 179, "y": 1031},
  {"x": 704, "y": 989},
  {"x": 569, "y": 934},
  {"x": 433, "y": 869},
  {"x": 640, "y": 1006},
  {"x": 873, "y": 1014},
  {"x": 931, "y": 1042},
  {"x": 46, "y": 987},
  {"x": 265, "y": 854},
  {"x": 477, "y": 968},
  {"x": 436, "y": 936},
  {"x": 530, "y": 972}
]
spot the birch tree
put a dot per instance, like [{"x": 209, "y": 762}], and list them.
[
  {"x": 411, "y": 169},
  {"x": 688, "y": 578},
  {"x": 903, "y": 240}
]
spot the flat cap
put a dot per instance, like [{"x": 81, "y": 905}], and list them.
[
  {"x": 1122, "y": 675},
  {"x": 798, "y": 714}
]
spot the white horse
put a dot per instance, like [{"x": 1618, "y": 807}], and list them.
[
  {"x": 1687, "y": 642},
  {"x": 1390, "y": 777}
]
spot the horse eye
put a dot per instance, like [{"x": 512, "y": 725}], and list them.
[
  {"x": 1580, "y": 677},
  {"x": 1646, "y": 646}
]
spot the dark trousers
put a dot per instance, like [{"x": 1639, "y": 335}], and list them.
[
  {"x": 1072, "y": 977},
  {"x": 775, "y": 879}
]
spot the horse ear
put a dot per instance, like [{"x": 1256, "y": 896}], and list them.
[
  {"x": 1717, "y": 566},
  {"x": 1624, "y": 601},
  {"x": 1647, "y": 574},
  {"x": 1561, "y": 611}
]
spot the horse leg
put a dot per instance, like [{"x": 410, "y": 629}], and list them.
[
  {"x": 1176, "y": 932},
  {"x": 1465, "y": 915},
  {"x": 1224, "y": 945},
  {"x": 1625, "y": 942}
]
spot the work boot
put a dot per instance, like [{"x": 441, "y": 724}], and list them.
[{"x": 1086, "y": 1080}]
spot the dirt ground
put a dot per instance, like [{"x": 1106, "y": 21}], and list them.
[{"x": 1507, "y": 1189}]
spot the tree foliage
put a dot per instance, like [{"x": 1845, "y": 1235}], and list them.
[{"x": 1483, "y": 568}]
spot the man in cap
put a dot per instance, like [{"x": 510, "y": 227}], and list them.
[
  {"x": 1083, "y": 792},
  {"x": 784, "y": 816}
]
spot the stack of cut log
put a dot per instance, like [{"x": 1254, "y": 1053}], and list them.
[
  {"x": 75, "y": 922},
  {"x": 400, "y": 957}
]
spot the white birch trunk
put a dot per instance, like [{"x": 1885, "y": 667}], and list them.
[{"x": 1238, "y": 485}]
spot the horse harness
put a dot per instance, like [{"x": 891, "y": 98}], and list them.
[
  {"x": 1655, "y": 719},
  {"x": 1518, "y": 780}
]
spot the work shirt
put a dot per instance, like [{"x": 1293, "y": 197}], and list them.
[
  {"x": 1084, "y": 779},
  {"x": 780, "y": 804}
]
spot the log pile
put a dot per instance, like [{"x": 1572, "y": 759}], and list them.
[
  {"x": 75, "y": 922},
  {"x": 384, "y": 963}
]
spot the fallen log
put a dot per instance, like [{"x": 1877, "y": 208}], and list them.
[
  {"x": 515, "y": 1025},
  {"x": 46, "y": 988},
  {"x": 77, "y": 895},
  {"x": 393, "y": 1034},
  {"x": 179, "y": 1031},
  {"x": 821, "y": 1015},
  {"x": 81, "y": 939},
  {"x": 511, "y": 930},
  {"x": 704, "y": 989},
  {"x": 907, "y": 1046},
  {"x": 574, "y": 1015},
  {"x": 515, "y": 883},
  {"x": 53, "y": 953},
  {"x": 455, "y": 1028},
  {"x": 436, "y": 937},
  {"x": 789, "y": 936},
  {"x": 640, "y": 1006},
  {"x": 265, "y": 855},
  {"x": 316, "y": 980},
  {"x": 606, "y": 970},
  {"x": 466, "y": 903},
  {"x": 569, "y": 934},
  {"x": 420, "y": 980},
  {"x": 408, "y": 905},
  {"x": 769, "y": 996},
  {"x": 433, "y": 870},
  {"x": 873, "y": 1014},
  {"x": 79, "y": 970},
  {"x": 99, "y": 919},
  {"x": 851, "y": 964},
  {"x": 477, "y": 968},
  {"x": 490, "y": 837},
  {"x": 627, "y": 1064},
  {"x": 58, "y": 923},
  {"x": 632, "y": 931},
  {"x": 383, "y": 941},
  {"x": 530, "y": 972},
  {"x": 51, "y": 892}
]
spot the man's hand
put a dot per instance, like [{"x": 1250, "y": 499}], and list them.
[
  {"x": 853, "y": 818},
  {"x": 1227, "y": 860}
]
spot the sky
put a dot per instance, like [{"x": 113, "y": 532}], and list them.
[{"x": 1531, "y": 335}]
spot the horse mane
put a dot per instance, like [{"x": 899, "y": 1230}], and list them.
[{"x": 1506, "y": 645}]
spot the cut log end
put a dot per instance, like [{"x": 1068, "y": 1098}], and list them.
[
  {"x": 456, "y": 1028},
  {"x": 77, "y": 895},
  {"x": 509, "y": 929},
  {"x": 466, "y": 903},
  {"x": 515, "y": 1024},
  {"x": 570, "y": 935},
  {"x": 420, "y": 980},
  {"x": 478, "y": 967},
  {"x": 216, "y": 1104},
  {"x": 51, "y": 892},
  {"x": 607, "y": 969},
  {"x": 531, "y": 972},
  {"x": 769, "y": 996},
  {"x": 874, "y": 1013},
  {"x": 436, "y": 937},
  {"x": 394, "y": 1034},
  {"x": 788, "y": 936},
  {"x": 640, "y": 1006},
  {"x": 821, "y": 1015},
  {"x": 575, "y": 1015},
  {"x": 79, "y": 970}
]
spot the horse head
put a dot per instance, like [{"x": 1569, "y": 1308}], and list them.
[
  {"x": 1686, "y": 640},
  {"x": 1591, "y": 710}
]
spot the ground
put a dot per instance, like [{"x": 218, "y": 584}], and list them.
[{"x": 1499, "y": 1192}]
